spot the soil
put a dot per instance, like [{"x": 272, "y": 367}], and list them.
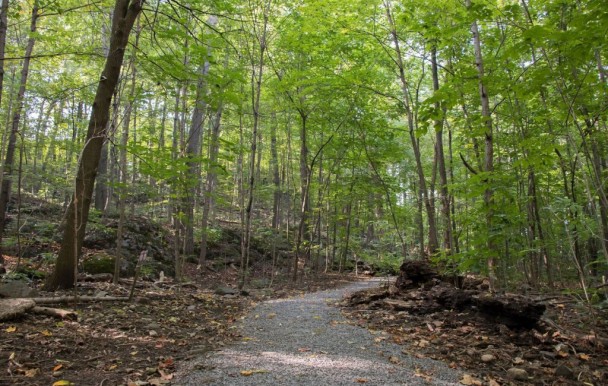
[
  {"x": 566, "y": 347},
  {"x": 142, "y": 342}
]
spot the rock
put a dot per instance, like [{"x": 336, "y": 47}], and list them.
[
  {"x": 225, "y": 291},
  {"x": 517, "y": 374},
  {"x": 487, "y": 358},
  {"x": 564, "y": 371},
  {"x": 546, "y": 354},
  {"x": 10, "y": 308},
  {"x": 98, "y": 263},
  {"x": 16, "y": 289}
]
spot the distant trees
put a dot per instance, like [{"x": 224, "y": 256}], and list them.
[{"x": 474, "y": 134}]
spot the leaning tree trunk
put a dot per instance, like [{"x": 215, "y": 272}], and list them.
[
  {"x": 5, "y": 192},
  {"x": 64, "y": 275}
]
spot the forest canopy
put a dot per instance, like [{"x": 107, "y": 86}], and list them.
[{"x": 470, "y": 132}]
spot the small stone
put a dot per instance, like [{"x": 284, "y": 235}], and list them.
[
  {"x": 191, "y": 308},
  {"x": 471, "y": 352},
  {"x": 487, "y": 358},
  {"x": 517, "y": 374},
  {"x": 564, "y": 371},
  {"x": 225, "y": 291},
  {"x": 153, "y": 326},
  {"x": 152, "y": 333}
]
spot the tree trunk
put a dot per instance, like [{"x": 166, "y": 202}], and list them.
[
  {"x": 76, "y": 217},
  {"x": 210, "y": 181},
  {"x": 7, "y": 173},
  {"x": 276, "y": 178},
  {"x": 256, "y": 87},
  {"x": 101, "y": 184},
  {"x": 433, "y": 244},
  {"x": 448, "y": 239},
  {"x": 122, "y": 164},
  {"x": 488, "y": 164}
]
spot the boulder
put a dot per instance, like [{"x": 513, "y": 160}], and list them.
[{"x": 16, "y": 289}]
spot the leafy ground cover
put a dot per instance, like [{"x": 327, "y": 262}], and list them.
[
  {"x": 567, "y": 346},
  {"x": 134, "y": 343}
]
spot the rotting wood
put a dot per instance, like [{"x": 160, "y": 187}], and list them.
[
  {"x": 79, "y": 299},
  {"x": 421, "y": 289},
  {"x": 55, "y": 312}
]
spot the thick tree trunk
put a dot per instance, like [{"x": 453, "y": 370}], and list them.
[
  {"x": 76, "y": 217},
  {"x": 7, "y": 172}
]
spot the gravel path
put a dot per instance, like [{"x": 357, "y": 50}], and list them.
[{"x": 306, "y": 341}]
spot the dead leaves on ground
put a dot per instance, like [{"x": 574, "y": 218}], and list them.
[
  {"x": 118, "y": 341},
  {"x": 550, "y": 355}
]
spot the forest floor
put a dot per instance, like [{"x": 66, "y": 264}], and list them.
[
  {"x": 135, "y": 343},
  {"x": 145, "y": 342},
  {"x": 568, "y": 346}
]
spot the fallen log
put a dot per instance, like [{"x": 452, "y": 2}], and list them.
[
  {"x": 79, "y": 299},
  {"x": 421, "y": 289},
  {"x": 55, "y": 312}
]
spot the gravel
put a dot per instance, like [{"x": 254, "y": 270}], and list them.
[{"x": 306, "y": 341}]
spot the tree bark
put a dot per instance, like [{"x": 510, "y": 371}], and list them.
[
  {"x": 210, "y": 180},
  {"x": 7, "y": 172},
  {"x": 256, "y": 88},
  {"x": 488, "y": 164},
  {"x": 448, "y": 239},
  {"x": 76, "y": 217},
  {"x": 122, "y": 164},
  {"x": 433, "y": 243}
]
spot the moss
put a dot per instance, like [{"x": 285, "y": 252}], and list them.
[{"x": 98, "y": 263}]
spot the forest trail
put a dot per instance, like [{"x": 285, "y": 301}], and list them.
[{"x": 306, "y": 341}]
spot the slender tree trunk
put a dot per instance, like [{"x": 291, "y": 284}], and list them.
[
  {"x": 433, "y": 244},
  {"x": 101, "y": 183},
  {"x": 276, "y": 178},
  {"x": 193, "y": 152},
  {"x": 76, "y": 217},
  {"x": 488, "y": 164},
  {"x": 448, "y": 238},
  {"x": 210, "y": 181},
  {"x": 3, "y": 29},
  {"x": 256, "y": 88},
  {"x": 7, "y": 172},
  {"x": 122, "y": 164}
]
